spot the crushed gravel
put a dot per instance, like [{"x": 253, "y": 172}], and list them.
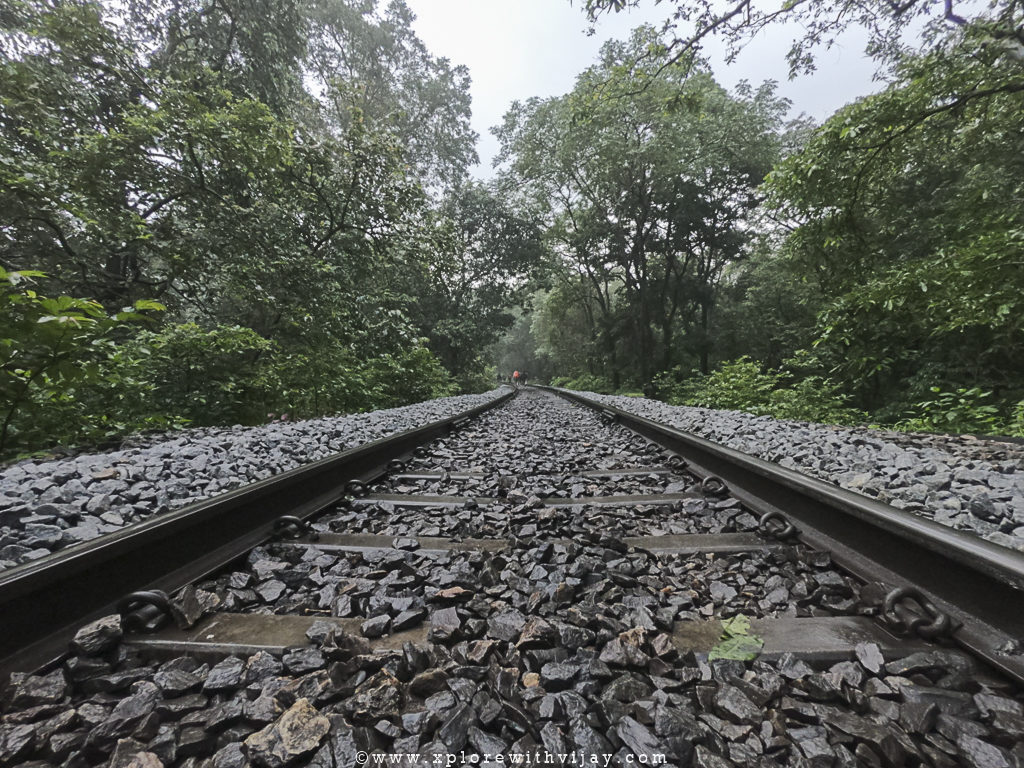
[
  {"x": 549, "y": 648},
  {"x": 966, "y": 483},
  {"x": 48, "y": 505}
]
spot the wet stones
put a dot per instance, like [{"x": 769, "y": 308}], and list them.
[
  {"x": 506, "y": 625},
  {"x": 377, "y": 626},
  {"x": 536, "y": 633},
  {"x": 27, "y": 691},
  {"x": 955, "y": 480},
  {"x": 445, "y": 625},
  {"x": 626, "y": 650},
  {"x": 428, "y": 683},
  {"x": 226, "y": 675},
  {"x": 561, "y": 641},
  {"x": 732, "y": 704},
  {"x": 98, "y": 636},
  {"x": 297, "y": 733},
  {"x": 101, "y": 493},
  {"x": 379, "y": 696}
]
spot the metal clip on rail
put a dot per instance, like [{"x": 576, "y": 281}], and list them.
[
  {"x": 144, "y": 611},
  {"x": 294, "y": 527},
  {"x": 676, "y": 462},
  {"x": 895, "y": 611},
  {"x": 713, "y": 485},
  {"x": 777, "y": 525},
  {"x": 609, "y": 417}
]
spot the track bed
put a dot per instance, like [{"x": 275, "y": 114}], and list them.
[{"x": 540, "y": 583}]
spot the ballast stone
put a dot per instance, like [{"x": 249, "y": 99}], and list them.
[
  {"x": 101, "y": 493},
  {"x": 958, "y": 481}
]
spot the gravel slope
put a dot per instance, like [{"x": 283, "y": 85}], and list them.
[
  {"x": 965, "y": 483},
  {"x": 48, "y": 505}
]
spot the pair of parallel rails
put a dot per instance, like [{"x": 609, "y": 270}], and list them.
[{"x": 940, "y": 583}]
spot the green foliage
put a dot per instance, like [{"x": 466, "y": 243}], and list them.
[
  {"x": 230, "y": 374},
  {"x": 742, "y": 385},
  {"x": 408, "y": 377},
  {"x": 737, "y": 642},
  {"x": 816, "y": 399},
  {"x": 963, "y": 410},
  {"x": 1015, "y": 424},
  {"x": 739, "y": 385},
  {"x": 886, "y": 25},
  {"x": 51, "y": 349},
  {"x": 222, "y": 375},
  {"x": 907, "y": 213},
  {"x": 265, "y": 170},
  {"x": 487, "y": 251},
  {"x": 645, "y": 174},
  {"x": 892, "y": 237},
  {"x": 585, "y": 382}
]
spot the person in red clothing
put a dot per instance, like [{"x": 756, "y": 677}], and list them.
[{"x": 515, "y": 379}]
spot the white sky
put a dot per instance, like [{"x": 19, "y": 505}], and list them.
[{"x": 516, "y": 49}]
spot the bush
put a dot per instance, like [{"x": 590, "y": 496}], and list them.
[
  {"x": 51, "y": 349},
  {"x": 409, "y": 377},
  {"x": 741, "y": 385},
  {"x": 73, "y": 375},
  {"x": 1015, "y": 424},
  {"x": 963, "y": 410},
  {"x": 814, "y": 399},
  {"x": 479, "y": 378},
  {"x": 585, "y": 382},
  {"x": 220, "y": 375}
]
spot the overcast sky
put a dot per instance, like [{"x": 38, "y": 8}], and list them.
[{"x": 516, "y": 49}]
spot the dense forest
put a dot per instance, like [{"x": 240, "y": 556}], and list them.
[
  {"x": 220, "y": 212},
  {"x": 708, "y": 252}
]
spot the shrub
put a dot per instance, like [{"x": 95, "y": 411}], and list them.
[
  {"x": 51, "y": 349},
  {"x": 413, "y": 375},
  {"x": 1015, "y": 424},
  {"x": 741, "y": 385},
  {"x": 814, "y": 399},
  {"x": 220, "y": 375},
  {"x": 963, "y": 410},
  {"x": 585, "y": 382}
]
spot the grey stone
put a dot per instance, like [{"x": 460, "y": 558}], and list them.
[
  {"x": 296, "y": 734},
  {"x": 98, "y": 636},
  {"x": 226, "y": 675},
  {"x": 444, "y": 625},
  {"x": 976, "y": 753}
]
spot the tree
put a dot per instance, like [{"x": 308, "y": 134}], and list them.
[
  {"x": 487, "y": 253},
  {"x": 647, "y": 182},
  {"x": 371, "y": 67},
  {"x": 258, "y": 167},
  {"x": 999, "y": 25},
  {"x": 908, "y": 221}
]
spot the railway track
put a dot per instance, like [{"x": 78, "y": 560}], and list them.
[{"x": 530, "y": 581}]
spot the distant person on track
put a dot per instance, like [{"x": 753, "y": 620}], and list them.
[
  {"x": 523, "y": 377},
  {"x": 515, "y": 379}
]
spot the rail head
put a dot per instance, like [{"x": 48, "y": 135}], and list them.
[{"x": 980, "y": 585}]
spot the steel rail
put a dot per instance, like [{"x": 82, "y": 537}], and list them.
[
  {"x": 44, "y": 602},
  {"x": 980, "y": 585}
]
